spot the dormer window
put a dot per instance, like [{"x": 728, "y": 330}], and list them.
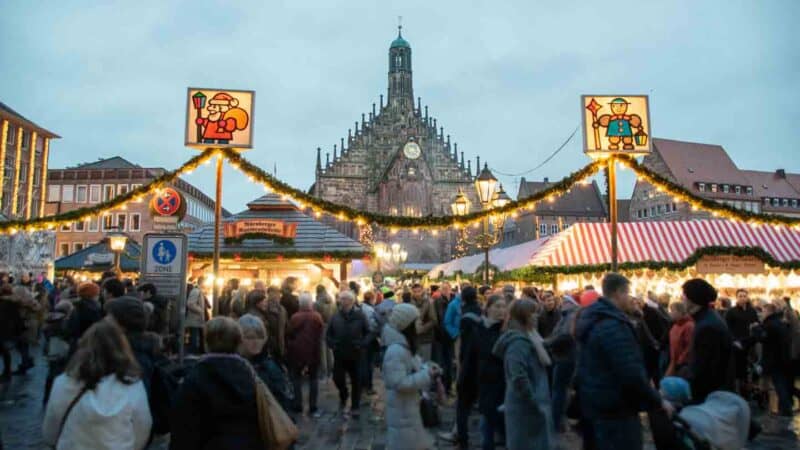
[
  {"x": 738, "y": 189},
  {"x": 794, "y": 203},
  {"x": 725, "y": 188},
  {"x": 785, "y": 202},
  {"x": 766, "y": 201},
  {"x": 774, "y": 202},
  {"x": 701, "y": 187},
  {"x": 749, "y": 190},
  {"x": 713, "y": 187}
]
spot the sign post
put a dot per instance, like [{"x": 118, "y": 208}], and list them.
[
  {"x": 164, "y": 260},
  {"x": 625, "y": 120}
]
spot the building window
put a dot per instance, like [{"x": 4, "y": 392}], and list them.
[
  {"x": 26, "y": 138},
  {"x": 80, "y": 226},
  {"x": 737, "y": 204},
  {"x": 121, "y": 219},
  {"x": 94, "y": 193},
  {"x": 23, "y": 172},
  {"x": 554, "y": 228},
  {"x": 64, "y": 251},
  {"x": 108, "y": 222},
  {"x": 749, "y": 190},
  {"x": 37, "y": 176},
  {"x": 135, "y": 186},
  {"x": 81, "y": 195},
  {"x": 77, "y": 246},
  {"x": 660, "y": 209},
  {"x": 713, "y": 187},
  {"x": 701, "y": 187},
  {"x": 122, "y": 189},
  {"x": 93, "y": 224},
  {"x": 652, "y": 211},
  {"x": 794, "y": 203},
  {"x": 766, "y": 201},
  {"x": 67, "y": 227},
  {"x": 774, "y": 202},
  {"x": 54, "y": 193},
  {"x": 785, "y": 202},
  {"x": 135, "y": 225},
  {"x": 67, "y": 193},
  {"x": 756, "y": 208},
  {"x": 726, "y": 188},
  {"x": 738, "y": 189},
  {"x": 11, "y": 139},
  {"x": 108, "y": 192},
  {"x": 543, "y": 229}
]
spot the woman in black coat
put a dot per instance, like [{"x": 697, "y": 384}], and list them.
[{"x": 491, "y": 379}]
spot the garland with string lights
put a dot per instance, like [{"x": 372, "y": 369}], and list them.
[
  {"x": 681, "y": 194},
  {"x": 534, "y": 273},
  {"x": 119, "y": 202}
]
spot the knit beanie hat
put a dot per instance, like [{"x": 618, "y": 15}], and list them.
[
  {"x": 699, "y": 292},
  {"x": 403, "y": 315},
  {"x": 88, "y": 290},
  {"x": 676, "y": 390},
  {"x": 129, "y": 312}
]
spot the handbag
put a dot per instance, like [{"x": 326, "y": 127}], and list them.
[{"x": 277, "y": 429}]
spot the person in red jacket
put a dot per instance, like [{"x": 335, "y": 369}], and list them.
[
  {"x": 304, "y": 336},
  {"x": 680, "y": 338}
]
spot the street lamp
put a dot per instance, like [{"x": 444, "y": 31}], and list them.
[
  {"x": 117, "y": 241},
  {"x": 491, "y": 195}
]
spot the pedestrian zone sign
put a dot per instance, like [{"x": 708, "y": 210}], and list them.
[{"x": 165, "y": 262}]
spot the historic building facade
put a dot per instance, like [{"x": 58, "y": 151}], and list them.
[
  {"x": 24, "y": 152},
  {"x": 86, "y": 185},
  {"x": 708, "y": 171},
  {"x": 398, "y": 160}
]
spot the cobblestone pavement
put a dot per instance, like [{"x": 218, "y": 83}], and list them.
[{"x": 21, "y": 415}]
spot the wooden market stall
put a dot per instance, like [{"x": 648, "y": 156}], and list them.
[
  {"x": 271, "y": 240},
  {"x": 90, "y": 262}
]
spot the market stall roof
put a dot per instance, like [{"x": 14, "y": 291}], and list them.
[
  {"x": 672, "y": 241},
  {"x": 505, "y": 259},
  {"x": 99, "y": 257},
  {"x": 308, "y": 237}
]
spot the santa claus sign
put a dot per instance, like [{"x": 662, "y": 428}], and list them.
[{"x": 219, "y": 118}]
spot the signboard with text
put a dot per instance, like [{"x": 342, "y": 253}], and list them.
[
  {"x": 729, "y": 264},
  {"x": 164, "y": 263},
  {"x": 616, "y": 124},
  {"x": 243, "y": 227}
]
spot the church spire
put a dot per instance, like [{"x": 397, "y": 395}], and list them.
[{"x": 401, "y": 93}]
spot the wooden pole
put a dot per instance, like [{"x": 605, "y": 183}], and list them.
[
  {"x": 612, "y": 209},
  {"x": 217, "y": 223}
]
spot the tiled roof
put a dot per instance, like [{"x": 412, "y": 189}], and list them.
[
  {"x": 312, "y": 236},
  {"x": 581, "y": 200},
  {"x": 770, "y": 184},
  {"x": 10, "y": 114},
  {"x": 115, "y": 162},
  {"x": 129, "y": 260},
  {"x": 690, "y": 162}
]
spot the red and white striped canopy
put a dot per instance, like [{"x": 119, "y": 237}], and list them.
[{"x": 590, "y": 243}]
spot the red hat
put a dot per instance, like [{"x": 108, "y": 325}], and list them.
[
  {"x": 88, "y": 290},
  {"x": 224, "y": 99}
]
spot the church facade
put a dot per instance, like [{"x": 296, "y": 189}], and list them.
[{"x": 398, "y": 161}]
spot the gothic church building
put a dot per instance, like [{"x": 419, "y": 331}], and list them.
[{"x": 398, "y": 161}]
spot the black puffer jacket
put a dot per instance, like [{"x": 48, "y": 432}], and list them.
[
  {"x": 216, "y": 407},
  {"x": 348, "y": 333}
]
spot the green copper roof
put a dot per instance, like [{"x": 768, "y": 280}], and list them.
[{"x": 400, "y": 42}]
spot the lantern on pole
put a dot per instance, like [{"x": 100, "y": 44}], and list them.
[{"x": 199, "y": 102}]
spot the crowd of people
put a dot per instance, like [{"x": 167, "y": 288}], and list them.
[{"x": 531, "y": 362}]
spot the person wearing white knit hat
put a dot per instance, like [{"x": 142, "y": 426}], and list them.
[{"x": 404, "y": 377}]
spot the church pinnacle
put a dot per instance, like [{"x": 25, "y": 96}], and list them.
[{"x": 401, "y": 92}]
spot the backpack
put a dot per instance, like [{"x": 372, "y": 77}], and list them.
[{"x": 168, "y": 375}]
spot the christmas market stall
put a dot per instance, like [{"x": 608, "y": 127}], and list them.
[
  {"x": 90, "y": 262},
  {"x": 502, "y": 259},
  {"x": 659, "y": 256},
  {"x": 271, "y": 240}
]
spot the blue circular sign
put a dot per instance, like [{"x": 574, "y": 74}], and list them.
[{"x": 164, "y": 251}]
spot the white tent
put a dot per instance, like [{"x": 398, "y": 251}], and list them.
[{"x": 505, "y": 259}]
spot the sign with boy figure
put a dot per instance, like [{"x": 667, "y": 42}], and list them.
[
  {"x": 219, "y": 118},
  {"x": 616, "y": 124}
]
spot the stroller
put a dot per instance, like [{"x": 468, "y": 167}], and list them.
[{"x": 722, "y": 422}]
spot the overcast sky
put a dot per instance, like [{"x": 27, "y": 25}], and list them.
[{"x": 503, "y": 78}]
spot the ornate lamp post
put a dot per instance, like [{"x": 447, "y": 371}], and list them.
[
  {"x": 490, "y": 197},
  {"x": 117, "y": 241}
]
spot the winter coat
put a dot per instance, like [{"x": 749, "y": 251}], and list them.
[
  {"x": 404, "y": 376},
  {"x": 195, "y": 306},
  {"x": 238, "y": 303},
  {"x": 794, "y": 329},
  {"x": 303, "y": 337},
  {"x": 776, "y": 346},
  {"x": 440, "y": 304},
  {"x": 610, "y": 377},
  {"x": 680, "y": 341},
  {"x": 275, "y": 322},
  {"x": 528, "y": 412},
  {"x": 290, "y": 303},
  {"x": 739, "y": 321},
  {"x": 84, "y": 314},
  {"x": 452, "y": 317},
  {"x": 561, "y": 342},
  {"x": 547, "y": 322},
  {"x": 711, "y": 366},
  {"x": 658, "y": 322},
  {"x": 426, "y": 323},
  {"x": 159, "y": 319},
  {"x": 383, "y": 311},
  {"x": 113, "y": 415},
  {"x": 491, "y": 378},
  {"x": 466, "y": 383},
  {"x": 325, "y": 306},
  {"x": 348, "y": 333},
  {"x": 215, "y": 408},
  {"x": 11, "y": 324}
]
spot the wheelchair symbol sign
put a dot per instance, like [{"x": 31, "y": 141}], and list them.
[{"x": 164, "y": 252}]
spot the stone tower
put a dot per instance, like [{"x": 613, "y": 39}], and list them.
[{"x": 397, "y": 160}]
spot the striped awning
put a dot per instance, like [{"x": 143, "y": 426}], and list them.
[{"x": 590, "y": 243}]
